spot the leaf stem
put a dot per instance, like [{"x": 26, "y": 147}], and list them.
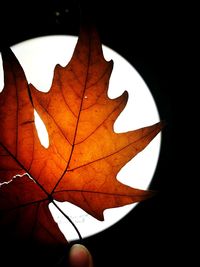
[{"x": 67, "y": 217}]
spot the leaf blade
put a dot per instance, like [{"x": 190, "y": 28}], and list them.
[{"x": 84, "y": 154}]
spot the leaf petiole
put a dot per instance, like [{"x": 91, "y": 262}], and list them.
[{"x": 67, "y": 217}]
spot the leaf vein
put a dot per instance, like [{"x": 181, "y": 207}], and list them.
[
  {"x": 57, "y": 125},
  {"x": 109, "y": 155},
  {"x": 100, "y": 123}
]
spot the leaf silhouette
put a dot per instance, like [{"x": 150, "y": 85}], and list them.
[{"x": 84, "y": 154}]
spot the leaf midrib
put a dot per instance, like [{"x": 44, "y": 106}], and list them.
[{"x": 78, "y": 118}]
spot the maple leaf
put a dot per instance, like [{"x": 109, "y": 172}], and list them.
[{"x": 84, "y": 154}]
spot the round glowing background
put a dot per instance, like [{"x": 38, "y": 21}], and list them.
[{"x": 38, "y": 58}]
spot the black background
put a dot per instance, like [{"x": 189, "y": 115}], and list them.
[{"x": 148, "y": 36}]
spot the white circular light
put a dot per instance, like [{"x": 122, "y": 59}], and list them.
[{"x": 38, "y": 58}]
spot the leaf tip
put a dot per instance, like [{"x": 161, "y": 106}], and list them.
[
  {"x": 146, "y": 195},
  {"x": 150, "y": 194},
  {"x": 163, "y": 124},
  {"x": 8, "y": 55}
]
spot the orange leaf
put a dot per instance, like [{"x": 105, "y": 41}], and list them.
[{"x": 84, "y": 154}]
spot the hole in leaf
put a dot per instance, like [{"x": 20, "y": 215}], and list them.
[
  {"x": 41, "y": 129},
  {"x": 1, "y": 75}
]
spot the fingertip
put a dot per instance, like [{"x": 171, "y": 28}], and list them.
[{"x": 79, "y": 256}]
